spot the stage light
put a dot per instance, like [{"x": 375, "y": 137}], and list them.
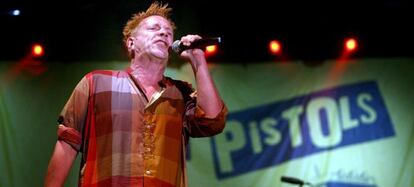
[
  {"x": 15, "y": 12},
  {"x": 350, "y": 47},
  {"x": 275, "y": 47},
  {"x": 351, "y": 44},
  {"x": 211, "y": 50},
  {"x": 37, "y": 50}
]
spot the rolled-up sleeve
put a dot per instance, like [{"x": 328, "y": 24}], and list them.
[
  {"x": 198, "y": 125},
  {"x": 73, "y": 116}
]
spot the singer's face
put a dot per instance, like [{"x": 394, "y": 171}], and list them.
[{"x": 153, "y": 36}]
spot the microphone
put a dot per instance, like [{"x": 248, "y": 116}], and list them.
[
  {"x": 178, "y": 47},
  {"x": 292, "y": 180}
]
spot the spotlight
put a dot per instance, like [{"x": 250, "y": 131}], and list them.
[
  {"x": 351, "y": 44},
  {"x": 211, "y": 50},
  {"x": 15, "y": 12},
  {"x": 275, "y": 47},
  {"x": 37, "y": 50}
]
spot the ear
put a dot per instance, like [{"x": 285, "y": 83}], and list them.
[
  {"x": 130, "y": 43},
  {"x": 130, "y": 47}
]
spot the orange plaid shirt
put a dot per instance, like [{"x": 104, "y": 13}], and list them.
[{"x": 127, "y": 140}]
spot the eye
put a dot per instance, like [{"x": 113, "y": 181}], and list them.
[{"x": 154, "y": 27}]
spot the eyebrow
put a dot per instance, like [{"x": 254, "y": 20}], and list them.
[{"x": 159, "y": 25}]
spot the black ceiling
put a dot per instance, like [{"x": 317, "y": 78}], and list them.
[{"x": 92, "y": 31}]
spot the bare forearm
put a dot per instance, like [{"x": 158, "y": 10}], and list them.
[
  {"x": 208, "y": 97},
  {"x": 60, "y": 164}
]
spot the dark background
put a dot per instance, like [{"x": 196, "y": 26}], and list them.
[{"x": 309, "y": 30}]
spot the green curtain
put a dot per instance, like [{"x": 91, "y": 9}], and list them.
[{"x": 32, "y": 94}]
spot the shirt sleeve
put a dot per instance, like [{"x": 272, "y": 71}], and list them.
[
  {"x": 73, "y": 116},
  {"x": 198, "y": 125}
]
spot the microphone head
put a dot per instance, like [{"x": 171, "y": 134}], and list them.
[
  {"x": 175, "y": 46},
  {"x": 178, "y": 47}
]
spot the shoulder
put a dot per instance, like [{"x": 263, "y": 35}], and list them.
[
  {"x": 104, "y": 77},
  {"x": 98, "y": 81},
  {"x": 180, "y": 84},
  {"x": 99, "y": 74},
  {"x": 183, "y": 86},
  {"x": 113, "y": 73}
]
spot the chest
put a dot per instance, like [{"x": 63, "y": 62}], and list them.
[{"x": 117, "y": 111}]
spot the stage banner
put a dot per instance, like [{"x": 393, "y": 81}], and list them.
[{"x": 332, "y": 124}]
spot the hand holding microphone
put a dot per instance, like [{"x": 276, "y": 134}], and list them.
[{"x": 178, "y": 46}]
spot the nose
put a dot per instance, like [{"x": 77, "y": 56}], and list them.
[{"x": 163, "y": 33}]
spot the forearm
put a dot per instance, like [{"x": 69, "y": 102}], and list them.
[
  {"x": 60, "y": 164},
  {"x": 208, "y": 97}
]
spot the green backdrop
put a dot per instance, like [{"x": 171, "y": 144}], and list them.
[{"x": 374, "y": 146}]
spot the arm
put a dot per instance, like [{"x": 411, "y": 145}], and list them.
[
  {"x": 206, "y": 116},
  {"x": 71, "y": 121},
  {"x": 207, "y": 95},
  {"x": 60, "y": 164}
]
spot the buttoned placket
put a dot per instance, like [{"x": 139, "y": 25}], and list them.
[
  {"x": 148, "y": 130},
  {"x": 149, "y": 144},
  {"x": 149, "y": 137}
]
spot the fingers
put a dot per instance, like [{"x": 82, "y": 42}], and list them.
[{"x": 188, "y": 39}]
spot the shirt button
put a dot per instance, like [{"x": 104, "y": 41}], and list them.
[
  {"x": 148, "y": 149},
  {"x": 148, "y": 172}
]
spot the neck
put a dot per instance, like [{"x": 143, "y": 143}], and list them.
[{"x": 148, "y": 71}]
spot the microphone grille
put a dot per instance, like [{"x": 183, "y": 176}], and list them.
[{"x": 175, "y": 46}]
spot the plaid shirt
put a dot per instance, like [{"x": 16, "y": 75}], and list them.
[{"x": 127, "y": 140}]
